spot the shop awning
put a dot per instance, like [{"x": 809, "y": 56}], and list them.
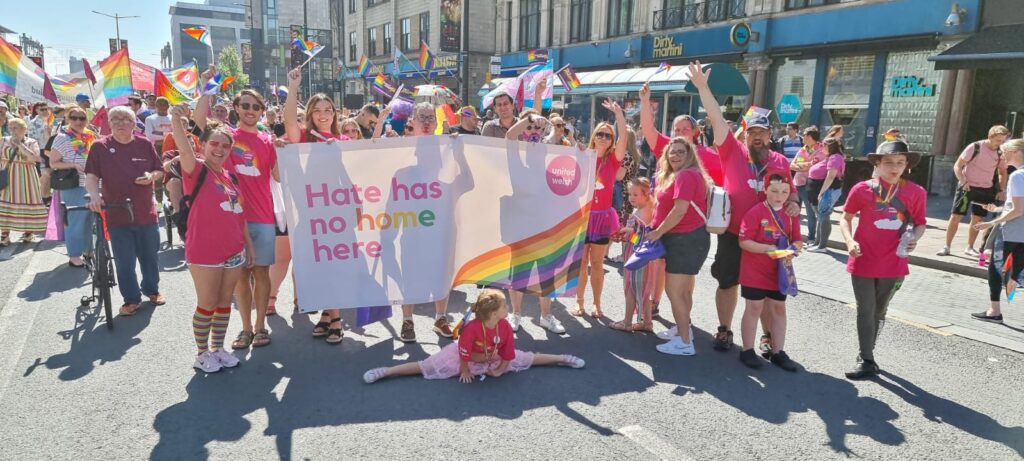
[
  {"x": 999, "y": 47},
  {"x": 725, "y": 80}
]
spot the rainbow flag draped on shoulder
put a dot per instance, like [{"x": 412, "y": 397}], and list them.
[{"x": 117, "y": 78}]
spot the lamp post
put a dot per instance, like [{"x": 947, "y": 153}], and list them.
[{"x": 117, "y": 24}]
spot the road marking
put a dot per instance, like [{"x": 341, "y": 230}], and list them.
[
  {"x": 651, "y": 442},
  {"x": 16, "y": 320}
]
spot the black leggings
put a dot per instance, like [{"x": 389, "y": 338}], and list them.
[{"x": 995, "y": 281}]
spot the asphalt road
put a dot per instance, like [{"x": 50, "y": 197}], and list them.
[{"x": 71, "y": 388}]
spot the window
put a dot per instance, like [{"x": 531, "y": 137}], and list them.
[
  {"x": 351, "y": 6},
  {"x": 371, "y": 42},
  {"x": 579, "y": 20},
  {"x": 352, "y": 46},
  {"x": 847, "y": 95},
  {"x": 425, "y": 28},
  {"x": 620, "y": 16},
  {"x": 529, "y": 24},
  {"x": 406, "y": 37},
  {"x": 370, "y": 3},
  {"x": 797, "y": 4},
  {"x": 387, "y": 39}
]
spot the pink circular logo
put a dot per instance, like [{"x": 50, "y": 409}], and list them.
[{"x": 563, "y": 175}]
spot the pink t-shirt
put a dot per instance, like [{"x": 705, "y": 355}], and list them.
[
  {"x": 806, "y": 157},
  {"x": 475, "y": 337},
  {"x": 688, "y": 185},
  {"x": 607, "y": 167},
  {"x": 979, "y": 172},
  {"x": 252, "y": 159},
  {"x": 326, "y": 135},
  {"x": 742, "y": 182},
  {"x": 215, "y": 220},
  {"x": 759, "y": 270},
  {"x": 836, "y": 162},
  {"x": 878, "y": 227},
  {"x": 708, "y": 158}
]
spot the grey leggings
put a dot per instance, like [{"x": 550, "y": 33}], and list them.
[{"x": 873, "y": 296}]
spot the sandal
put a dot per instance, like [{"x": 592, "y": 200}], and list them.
[
  {"x": 619, "y": 325},
  {"x": 243, "y": 340},
  {"x": 320, "y": 329},
  {"x": 271, "y": 308},
  {"x": 261, "y": 338},
  {"x": 644, "y": 327},
  {"x": 579, "y": 312},
  {"x": 596, "y": 313},
  {"x": 335, "y": 335},
  {"x": 129, "y": 309}
]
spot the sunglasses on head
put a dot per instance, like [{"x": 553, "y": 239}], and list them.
[
  {"x": 603, "y": 135},
  {"x": 254, "y": 106},
  {"x": 76, "y": 118},
  {"x": 219, "y": 144}
]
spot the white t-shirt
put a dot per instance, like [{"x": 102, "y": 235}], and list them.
[
  {"x": 157, "y": 126},
  {"x": 1013, "y": 230}
]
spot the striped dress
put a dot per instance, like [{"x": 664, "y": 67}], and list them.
[{"x": 21, "y": 202}]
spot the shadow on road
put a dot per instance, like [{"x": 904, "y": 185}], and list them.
[{"x": 57, "y": 280}]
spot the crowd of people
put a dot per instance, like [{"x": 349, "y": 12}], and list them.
[{"x": 216, "y": 161}]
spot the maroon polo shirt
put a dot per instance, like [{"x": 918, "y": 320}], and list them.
[{"x": 117, "y": 165}]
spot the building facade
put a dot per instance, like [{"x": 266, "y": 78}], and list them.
[
  {"x": 864, "y": 64},
  {"x": 75, "y": 65},
  {"x": 275, "y": 24},
  {"x": 226, "y": 21}
]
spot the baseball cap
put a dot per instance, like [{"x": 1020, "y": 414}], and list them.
[{"x": 81, "y": 97}]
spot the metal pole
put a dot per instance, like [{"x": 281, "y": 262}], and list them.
[
  {"x": 305, "y": 34},
  {"x": 117, "y": 25},
  {"x": 464, "y": 67}
]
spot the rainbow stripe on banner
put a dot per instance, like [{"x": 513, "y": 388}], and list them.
[
  {"x": 546, "y": 264},
  {"x": 117, "y": 78},
  {"x": 426, "y": 57},
  {"x": 9, "y": 59},
  {"x": 364, "y": 66}
]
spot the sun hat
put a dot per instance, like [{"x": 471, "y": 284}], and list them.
[{"x": 894, "y": 148}]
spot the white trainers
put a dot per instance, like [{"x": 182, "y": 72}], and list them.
[
  {"x": 513, "y": 320},
  {"x": 572, "y": 361},
  {"x": 676, "y": 346},
  {"x": 552, "y": 324},
  {"x": 374, "y": 375},
  {"x": 207, "y": 362},
  {"x": 971, "y": 252},
  {"x": 943, "y": 252},
  {"x": 668, "y": 334},
  {"x": 817, "y": 250},
  {"x": 225, "y": 358}
]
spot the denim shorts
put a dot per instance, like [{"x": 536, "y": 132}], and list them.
[
  {"x": 685, "y": 252},
  {"x": 263, "y": 237}
]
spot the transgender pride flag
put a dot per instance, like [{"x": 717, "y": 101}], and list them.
[
  {"x": 117, "y": 78},
  {"x": 9, "y": 59}
]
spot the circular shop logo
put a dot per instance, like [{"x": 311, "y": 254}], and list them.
[{"x": 563, "y": 174}]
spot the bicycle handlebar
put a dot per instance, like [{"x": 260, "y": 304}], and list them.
[{"x": 126, "y": 205}]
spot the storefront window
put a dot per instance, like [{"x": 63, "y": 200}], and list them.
[
  {"x": 793, "y": 76},
  {"x": 910, "y": 97},
  {"x": 847, "y": 93},
  {"x": 678, "y": 104},
  {"x": 578, "y": 106}
]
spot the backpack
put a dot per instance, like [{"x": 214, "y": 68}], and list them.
[
  {"x": 719, "y": 211},
  {"x": 186, "y": 204},
  {"x": 995, "y": 174}
]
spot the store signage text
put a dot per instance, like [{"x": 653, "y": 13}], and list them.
[
  {"x": 446, "y": 62},
  {"x": 666, "y": 47},
  {"x": 910, "y": 86}
]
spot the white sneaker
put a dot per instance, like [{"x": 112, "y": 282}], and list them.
[
  {"x": 207, "y": 362},
  {"x": 552, "y": 324},
  {"x": 572, "y": 361},
  {"x": 943, "y": 252},
  {"x": 818, "y": 250},
  {"x": 971, "y": 252},
  {"x": 374, "y": 375},
  {"x": 677, "y": 347},
  {"x": 226, "y": 359},
  {"x": 513, "y": 320},
  {"x": 668, "y": 334}
]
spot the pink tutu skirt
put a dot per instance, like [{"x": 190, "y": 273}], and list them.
[
  {"x": 445, "y": 363},
  {"x": 603, "y": 223}
]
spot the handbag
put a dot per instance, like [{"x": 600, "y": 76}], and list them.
[
  {"x": 64, "y": 179},
  {"x": 645, "y": 252}
]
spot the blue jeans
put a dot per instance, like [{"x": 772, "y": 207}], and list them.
[
  {"x": 811, "y": 212},
  {"x": 617, "y": 198},
  {"x": 825, "y": 205},
  {"x": 78, "y": 229},
  {"x": 136, "y": 243}
]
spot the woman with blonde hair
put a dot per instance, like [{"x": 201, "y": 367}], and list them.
[
  {"x": 349, "y": 127},
  {"x": 21, "y": 202},
  {"x": 680, "y": 215},
  {"x": 611, "y": 147}
]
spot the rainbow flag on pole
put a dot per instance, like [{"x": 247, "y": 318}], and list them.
[
  {"x": 364, "y": 66},
  {"x": 426, "y": 57},
  {"x": 568, "y": 77},
  {"x": 199, "y": 33},
  {"x": 10, "y": 57},
  {"x": 310, "y": 48},
  {"x": 117, "y": 78},
  {"x": 185, "y": 78},
  {"x": 163, "y": 87}
]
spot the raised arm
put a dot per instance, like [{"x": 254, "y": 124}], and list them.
[
  {"x": 647, "y": 127},
  {"x": 538, "y": 94},
  {"x": 699, "y": 78},
  {"x": 378, "y": 129},
  {"x": 620, "y": 125},
  {"x": 203, "y": 105},
  {"x": 291, "y": 107},
  {"x": 518, "y": 128},
  {"x": 186, "y": 155}
]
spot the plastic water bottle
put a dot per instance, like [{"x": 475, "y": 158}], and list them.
[
  {"x": 905, "y": 239},
  {"x": 982, "y": 258}
]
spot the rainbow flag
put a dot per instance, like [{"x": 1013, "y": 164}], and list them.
[
  {"x": 64, "y": 86},
  {"x": 634, "y": 239},
  {"x": 364, "y": 66},
  {"x": 10, "y": 57},
  {"x": 309, "y": 47},
  {"x": 217, "y": 84},
  {"x": 779, "y": 254},
  {"x": 117, "y": 78},
  {"x": 199, "y": 33},
  {"x": 664, "y": 67},
  {"x": 426, "y": 58},
  {"x": 568, "y": 77},
  {"x": 539, "y": 56},
  {"x": 281, "y": 92},
  {"x": 164, "y": 87},
  {"x": 185, "y": 78},
  {"x": 546, "y": 264}
]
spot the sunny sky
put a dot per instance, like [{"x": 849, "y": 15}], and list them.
[{"x": 70, "y": 28}]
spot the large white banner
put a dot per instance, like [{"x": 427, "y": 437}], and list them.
[{"x": 402, "y": 221}]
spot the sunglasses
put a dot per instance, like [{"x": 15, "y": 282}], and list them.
[
  {"x": 532, "y": 128},
  {"x": 219, "y": 144},
  {"x": 254, "y": 106},
  {"x": 76, "y": 118},
  {"x": 603, "y": 135},
  {"x": 560, "y": 125},
  {"x": 426, "y": 118}
]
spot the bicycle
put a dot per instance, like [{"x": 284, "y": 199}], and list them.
[{"x": 100, "y": 264}]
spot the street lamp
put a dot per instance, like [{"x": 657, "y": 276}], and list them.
[{"x": 117, "y": 23}]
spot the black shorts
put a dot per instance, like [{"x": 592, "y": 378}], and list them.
[
  {"x": 603, "y": 241},
  {"x": 757, "y": 294},
  {"x": 686, "y": 252},
  {"x": 726, "y": 268},
  {"x": 973, "y": 199}
]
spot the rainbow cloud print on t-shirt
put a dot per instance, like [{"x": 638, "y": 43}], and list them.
[
  {"x": 893, "y": 220},
  {"x": 769, "y": 230},
  {"x": 233, "y": 204},
  {"x": 245, "y": 161}
]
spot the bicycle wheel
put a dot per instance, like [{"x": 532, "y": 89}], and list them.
[{"x": 103, "y": 277}]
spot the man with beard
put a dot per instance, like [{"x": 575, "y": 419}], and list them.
[
  {"x": 367, "y": 119},
  {"x": 745, "y": 167},
  {"x": 505, "y": 107}
]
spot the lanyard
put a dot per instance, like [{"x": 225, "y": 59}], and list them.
[
  {"x": 778, "y": 222},
  {"x": 488, "y": 353},
  {"x": 890, "y": 194}
]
